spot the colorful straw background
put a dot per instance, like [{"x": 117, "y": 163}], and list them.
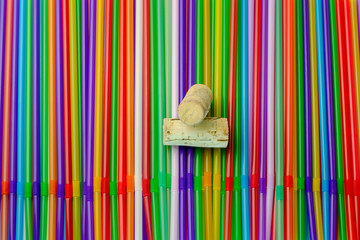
[{"x": 85, "y": 86}]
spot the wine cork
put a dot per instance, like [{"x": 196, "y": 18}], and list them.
[{"x": 196, "y": 105}]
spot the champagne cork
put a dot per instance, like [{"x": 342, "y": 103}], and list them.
[{"x": 196, "y": 105}]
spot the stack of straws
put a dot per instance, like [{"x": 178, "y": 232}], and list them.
[{"x": 85, "y": 86}]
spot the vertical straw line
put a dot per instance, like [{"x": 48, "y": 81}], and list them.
[
  {"x": 279, "y": 151},
  {"x": 315, "y": 122},
  {"x": 138, "y": 121},
  {"x": 217, "y": 113},
  {"x": 74, "y": 120},
  {"x": 337, "y": 120},
  {"x": 174, "y": 214},
  {"x": 52, "y": 124},
  {"x": 207, "y": 166},
  {"x": 79, "y": 80},
  {"x": 6, "y": 119},
  {"x": 105, "y": 197}
]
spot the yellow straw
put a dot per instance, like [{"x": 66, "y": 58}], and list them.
[
  {"x": 74, "y": 122},
  {"x": 217, "y": 113},
  {"x": 315, "y": 123},
  {"x": 208, "y": 217},
  {"x": 355, "y": 41},
  {"x": 98, "y": 116}
]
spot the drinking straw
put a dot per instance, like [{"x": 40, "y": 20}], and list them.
[
  {"x": 52, "y": 124},
  {"x": 74, "y": 121},
  {"x": 122, "y": 123},
  {"x": 263, "y": 121},
  {"x": 198, "y": 158},
  {"x": 353, "y": 128},
  {"x": 105, "y": 199},
  {"x": 2, "y": 59},
  {"x": 301, "y": 210},
  {"x": 6, "y": 121},
  {"x": 207, "y": 76},
  {"x": 90, "y": 153},
  {"x": 138, "y": 122},
  {"x": 21, "y": 121},
  {"x": 212, "y": 43},
  {"x": 84, "y": 109},
  {"x": 337, "y": 121},
  {"x": 44, "y": 120},
  {"x": 182, "y": 91},
  {"x": 254, "y": 179},
  {"x": 67, "y": 124},
  {"x": 244, "y": 121},
  {"x": 231, "y": 116},
  {"x": 160, "y": 55},
  {"x": 270, "y": 117},
  {"x": 13, "y": 123},
  {"x": 315, "y": 122},
  {"x": 217, "y": 113},
  {"x": 113, "y": 155},
  {"x": 279, "y": 151},
  {"x": 98, "y": 117},
  {"x": 146, "y": 122},
  {"x": 224, "y": 101},
  {"x": 330, "y": 122},
  {"x": 356, "y": 56}
]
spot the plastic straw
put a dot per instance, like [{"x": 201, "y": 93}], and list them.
[
  {"x": 337, "y": 121},
  {"x": 98, "y": 117},
  {"x": 2, "y": 60},
  {"x": 6, "y": 120},
  {"x": 44, "y": 128},
  {"x": 270, "y": 166},
  {"x": 244, "y": 121},
  {"x": 105, "y": 196},
  {"x": 146, "y": 122},
  {"x": 21, "y": 121},
  {"x": 301, "y": 209},
  {"x": 13, "y": 123},
  {"x": 315, "y": 122},
  {"x": 59, "y": 122},
  {"x": 122, "y": 123},
  {"x": 217, "y": 113},
  {"x": 67, "y": 124},
  {"x": 198, "y": 158},
  {"x": 207, "y": 166},
  {"x": 330, "y": 122},
  {"x": 182, "y": 91},
  {"x": 279, "y": 157},
  {"x": 138, "y": 122},
  {"x": 113, "y": 155}
]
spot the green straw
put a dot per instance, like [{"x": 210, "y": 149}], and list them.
[
  {"x": 212, "y": 43},
  {"x": 114, "y": 124},
  {"x": 236, "y": 231},
  {"x": 337, "y": 121},
  {"x": 300, "y": 120},
  {"x": 154, "y": 151},
  {"x": 224, "y": 98},
  {"x": 279, "y": 161},
  {"x": 78, "y": 40},
  {"x": 198, "y": 171},
  {"x": 28, "y": 133},
  {"x": 44, "y": 119}
]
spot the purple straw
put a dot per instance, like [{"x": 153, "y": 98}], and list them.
[
  {"x": 330, "y": 119},
  {"x": 59, "y": 122},
  {"x": 90, "y": 126},
  {"x": 36, "y": 119},
  {"x": 308, "y": 141},
  {"x": 84, "y": 96},
  {"x": 263, "y": 122},
  {"x": 13, "y": 124},
  {"x": 190, "y": 150},
  {"x": 182, "y": 92}
]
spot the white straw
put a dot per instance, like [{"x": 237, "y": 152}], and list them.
[
  {"x": 174, "y": 220},
  {"x": 271, "y": 118},
  {"x": 138, "y": 120}
]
